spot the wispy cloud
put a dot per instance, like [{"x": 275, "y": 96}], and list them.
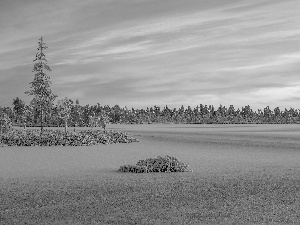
[
  {"x": 145, "y": 51},
  {"x": 196, "y": 30},
  {"x": 271, "y": 63}
]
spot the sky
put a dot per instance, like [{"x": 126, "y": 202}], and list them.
[{"x": 141, "y": 53}]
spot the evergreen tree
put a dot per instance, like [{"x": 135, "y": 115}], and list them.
[
  {"x": 19, "y": 110},
  {"x": 40, "y": 86},
  {"x": 76, "y": 114}
]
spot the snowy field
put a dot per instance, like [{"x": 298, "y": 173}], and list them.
[{"x": 242, "y": 174}]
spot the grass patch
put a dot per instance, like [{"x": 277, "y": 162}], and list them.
[{"x": 160, "y": 198}]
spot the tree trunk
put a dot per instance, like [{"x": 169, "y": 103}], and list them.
[
  {"x": 41, "y": 119},
  {"x": 66, "y": 125},
  {"x": 0, "y": 130}
]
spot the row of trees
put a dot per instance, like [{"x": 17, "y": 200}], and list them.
[
  {"x": 68, "y": 112},
  {"x": 65, "y": 112}
]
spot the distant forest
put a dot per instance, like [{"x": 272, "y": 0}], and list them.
[{"x": 80, "y": 116}]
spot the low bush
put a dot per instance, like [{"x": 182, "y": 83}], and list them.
[
  {"x": 160, "y": 164},
  {"x": 5, "y": 123},
  {"x": 61, "y": 138}
]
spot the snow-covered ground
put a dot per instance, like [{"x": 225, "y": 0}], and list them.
[{"x": 207, "y": 148}]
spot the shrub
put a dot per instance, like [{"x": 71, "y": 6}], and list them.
[
  {"x": 61, "y": 138},
  {"x": 159, "y": 164}
]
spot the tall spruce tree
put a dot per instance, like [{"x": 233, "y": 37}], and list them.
[{"x": 40, "y": 86}]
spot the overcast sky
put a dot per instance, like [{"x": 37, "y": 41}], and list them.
[{"x": 140, "y": 53}]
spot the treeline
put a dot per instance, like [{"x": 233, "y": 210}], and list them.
[{"x": 81, "y": 116}]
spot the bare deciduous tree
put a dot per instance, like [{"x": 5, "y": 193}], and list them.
[{"x": 64, "y": 108}]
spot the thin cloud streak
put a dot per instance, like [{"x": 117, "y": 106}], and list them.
[{"x": 153, "y": 45}]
